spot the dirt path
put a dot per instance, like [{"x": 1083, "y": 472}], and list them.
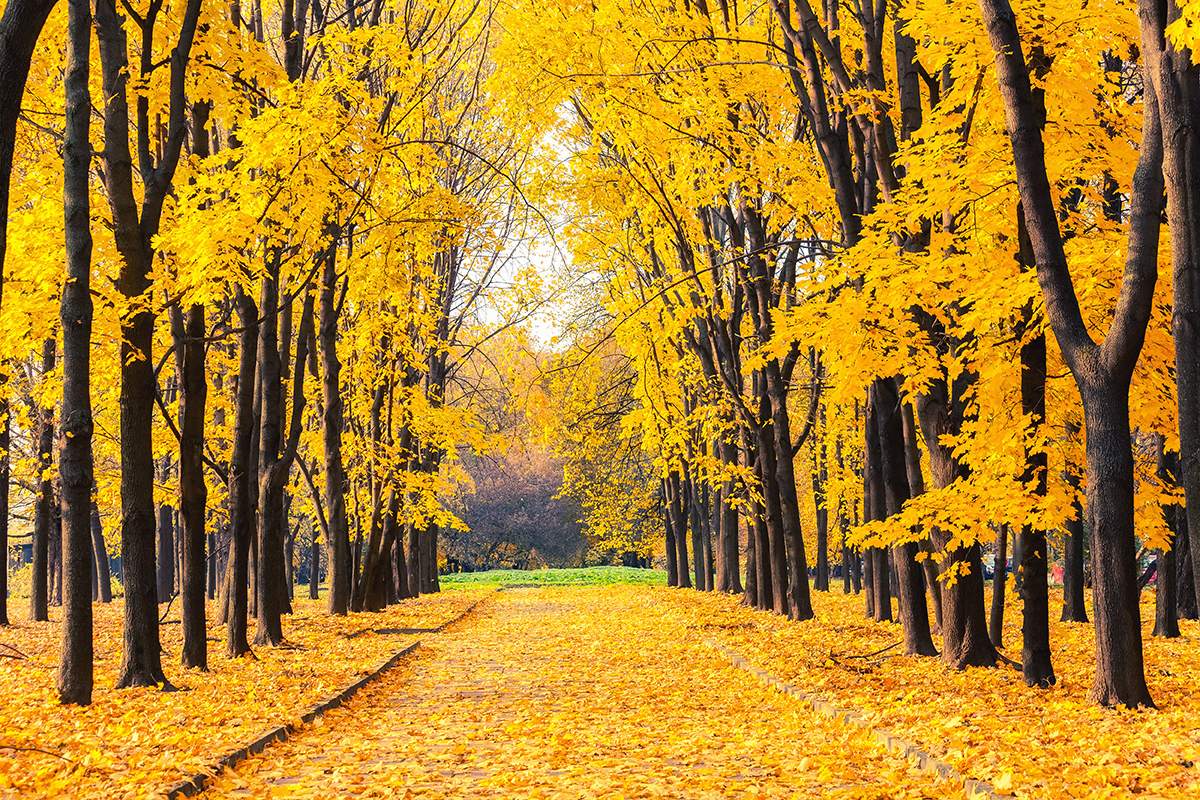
[{"x": 575, "y": 692}]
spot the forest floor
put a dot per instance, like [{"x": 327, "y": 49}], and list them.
[
  {"x": 136, "y": 742},
  {"x": 609, "y": 691},
  {"x": 573, "y": 692}
]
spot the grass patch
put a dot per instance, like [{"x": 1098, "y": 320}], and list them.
[{"x": 588, "y": 576}]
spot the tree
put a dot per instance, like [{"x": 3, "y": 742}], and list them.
[{"x": 1103, "y": 370}]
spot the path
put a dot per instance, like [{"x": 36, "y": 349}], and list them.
[{"x": 574, "y": 692}]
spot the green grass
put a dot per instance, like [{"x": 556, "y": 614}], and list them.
[{"x": 589, "y": 576}]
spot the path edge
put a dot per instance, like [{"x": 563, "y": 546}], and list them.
[
  {"x": 849, "y": 717},
  {"x": 196, "y": 783}
]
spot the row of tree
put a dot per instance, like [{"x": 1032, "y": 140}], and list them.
[
  {"x": 827, "y": 243},
  {"x": 290, "y": 229}
]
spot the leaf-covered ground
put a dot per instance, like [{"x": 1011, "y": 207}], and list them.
[
  {"x": 132, "y": 743},
  {"x": 573, "y": 692},
  {"x": 985, "y": 722}
]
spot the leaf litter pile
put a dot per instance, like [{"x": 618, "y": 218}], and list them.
[
  {"x": 985, "y": 722},
  {"x": 573, "y": 692},
  {"x": 135, "y": 742}
]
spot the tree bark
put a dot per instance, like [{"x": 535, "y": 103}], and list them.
[
  {"x": 241, "y": 513},
  {"x": 679, "y": 523},
  {"x": 914, "y": 613},
  {"x": 5, "y": 476},
  {"x": 1036, "y": 665},
  {"x": 1073, "y": 541},
  {"x": 39, "y": 588},
  {"x": 133, "y": 231},
  {"x": 999, "y": 580},
  {"x": 275, "y": 462},
  {"x": 338, "y": 539},
  {"x": 669, "y": 536},
  {"x": 193, "y": 491},
  {"x": 1177, "y": 87},
  {"x": 1166, "y": 601},
  {"x": 881, "y": 594},
  {"x": 74, "y": 677}
]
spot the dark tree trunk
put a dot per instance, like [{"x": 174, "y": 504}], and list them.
[
  {"x": 102, "y": 568},
  {"x": 1177, "y": 86},
  {"x": 1073, "y": 600},
  {"x": 881, "y": 594},
  {"x": 314, "y": 568},
  {"x": 669, "y": 536},
  {"x": 729, "y": 575},
  {"x": 1185, "y": 597},
  {"x": 696, "y": 523},
  {"x": 275, "y": 462},
  {"x": 269, "y": 576},
  {"x": 999, "y": 579},
  {"x": 165, "y": 571},
  {"x": 819, "y": 477},
  {"x": 1036, "y": 665},
  {"x": 679, "y": 521},
  {"x": 338, "y": 539},
  {"x": 799, "y": 606},
  {"x": 241, "y": 514},
  {"x": 134, "y": 229},
  {"x": 916, "y": 487},
  {"x": 1102, "y": 371},
  {"x": 39, "y": 589},
  {"x": 762, "y": 546},
  {"x": 1166, "y": 601},
  {"x": 965, "y": 640},
  {"x": 775, "y": 550},
  {"x": 193, "y": 491},
  {"x": 56, "y": 550},
  {"x": 400, "y": 565},
  {"x": 5, "y": 475},
  {"x": 74, "y": 677},
  {"x": 914, "y": 614}
]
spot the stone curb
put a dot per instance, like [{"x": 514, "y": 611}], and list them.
[
  {"x": 844, "y": 716},
  {"x": 194, "y": 785}
]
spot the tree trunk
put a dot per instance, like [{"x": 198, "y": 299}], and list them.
[
  {"x": 669, "y": 536},
  {"x": 1073, "y": 600},
  {"x": 74, "y": 677},
  {"x": 165, "y": 571},
  {"x": 39, "y": 588},
  {"x": 275, "y": 461},
  {"x": 679, "y": 523},
  {"x": 338, "y": 539},
  {"x": 800, "y": 601},
  {"x": 1036, "y": 665},
  {"x": 999, "y": 579},
  {"x": 819, "y": 476},
  {"x": 134, "y": 229},
  {"x": 914, "y": 613},
  {"x": 1102, "y": 371},
  {"x": 1177, "y": 87},
  {"x": 729, "y": 575},
  {"x": 1166, "y": 601},
  {"x": 102, "y": 568},
  {"x": 1185, "y": 597},
  {"x": 193, "y": 491},
  {"x": 241, "y": 513},
  {"x": 876, "y": 509},
  {"x": 314, "y": 568},
  {"x": 965, "y": 640},
  {"x": 5, "y": 476}
]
